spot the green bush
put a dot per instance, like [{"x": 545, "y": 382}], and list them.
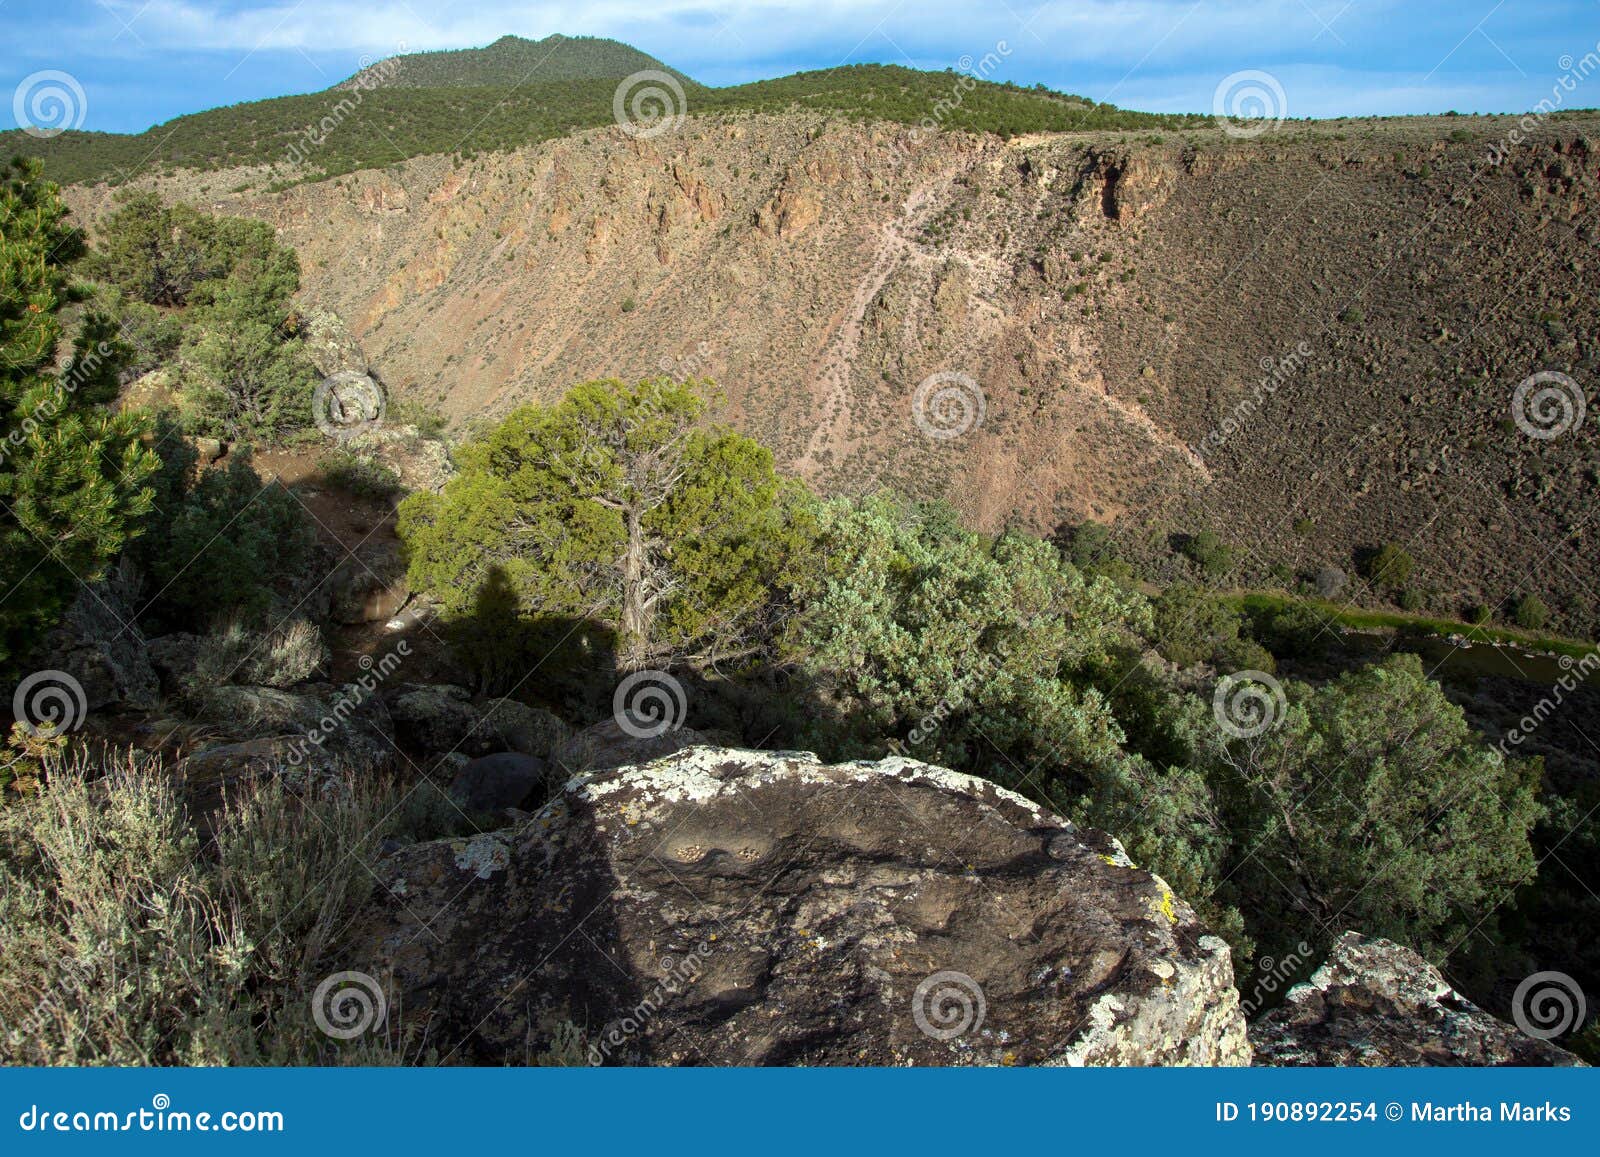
[
  {"x": 1209, "y": 553},
  {"x": 1192, "y": 626},
  {"x": 359, "y": 477},
  {"x": 212, "y": 296},
  {"x": 912, "y": 617},
  {"x": 228, "y": 542},
  {"x": 1530, "y": 613},
  {"x": 1389, "y": 566},
  {"x": 1089, "y": 545},
  {"x": 1297, "y": 632},
  {"x": 1372, "y": 804}
]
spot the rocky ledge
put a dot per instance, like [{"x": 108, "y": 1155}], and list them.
[
  {"x": 1377, "y": 1003},
  {"x": 733, "y": 907}
]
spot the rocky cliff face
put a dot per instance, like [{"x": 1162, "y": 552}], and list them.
[
  {"x": 1336, "y": 319},
  {"x": 733, "y": 907}
]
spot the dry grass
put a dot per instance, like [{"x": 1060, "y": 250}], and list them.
[
  {"x": 281, "y": 658},
  {"x": 124, "y": 942}
]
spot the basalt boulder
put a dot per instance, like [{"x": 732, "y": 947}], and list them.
[{"x": 730, "y": 907}]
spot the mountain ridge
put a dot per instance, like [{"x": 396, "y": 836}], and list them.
[
  {"x": 516, "y": 92},
  {"x": 510, "y": 61}
]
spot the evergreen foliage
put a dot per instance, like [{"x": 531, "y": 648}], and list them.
[{"x": 72, "y": 475}]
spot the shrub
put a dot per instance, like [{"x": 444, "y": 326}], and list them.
[
  {"x": 1191, "y": 626},
  {"x": 358, "y": 476},
  {"x": 1411, "y": 599},
  {"x": 912, "y": 617},
  {"x": 229, "y": 542},
  {"x": 73, "y": 477},
  {"x": 1208, "y": 552},
  {"x": 430, "y": 423},
  {"x": 1530, "y": 613},
  {"x": 235, "y": 334},
  {"x": 282, "y": 657},
  {"x": 1089, "y": 545},
  {"x": 1297, "y": 631},
  {"x": 1405, "y": 823},
  {"x": 121, "y": 944},
  {"x": 1388, "y": 566}
]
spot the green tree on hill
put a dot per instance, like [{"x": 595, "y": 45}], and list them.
[
  {"x": 72, "y": 474},
  {"x": 620, "y": 504},
  {"x": 236, "y": 341}
]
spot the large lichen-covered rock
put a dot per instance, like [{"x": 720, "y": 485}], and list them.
[
  {"x": 731, "y": 907},
  {"x": 1375, "y": 1003}
]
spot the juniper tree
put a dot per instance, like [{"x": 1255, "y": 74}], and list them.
[{"x": 619, "y": 504}]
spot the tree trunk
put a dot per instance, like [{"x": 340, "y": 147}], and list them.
[{"x": 638, "y": 611}]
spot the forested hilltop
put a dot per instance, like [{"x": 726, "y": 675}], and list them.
[{"x": 456, "y": 103}]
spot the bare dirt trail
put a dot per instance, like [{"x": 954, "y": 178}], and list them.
[{"x": 832, "y": 382}]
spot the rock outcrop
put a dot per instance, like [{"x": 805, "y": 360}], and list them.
[
  {"x": 733, "y": 907},
  {"x": 1375, "y": 1003},
  {"x": 98, "y": 644},
  {"x": 507, "y": 779}
]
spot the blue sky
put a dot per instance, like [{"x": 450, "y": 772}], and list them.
[{"x": 138, "y": 63}]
